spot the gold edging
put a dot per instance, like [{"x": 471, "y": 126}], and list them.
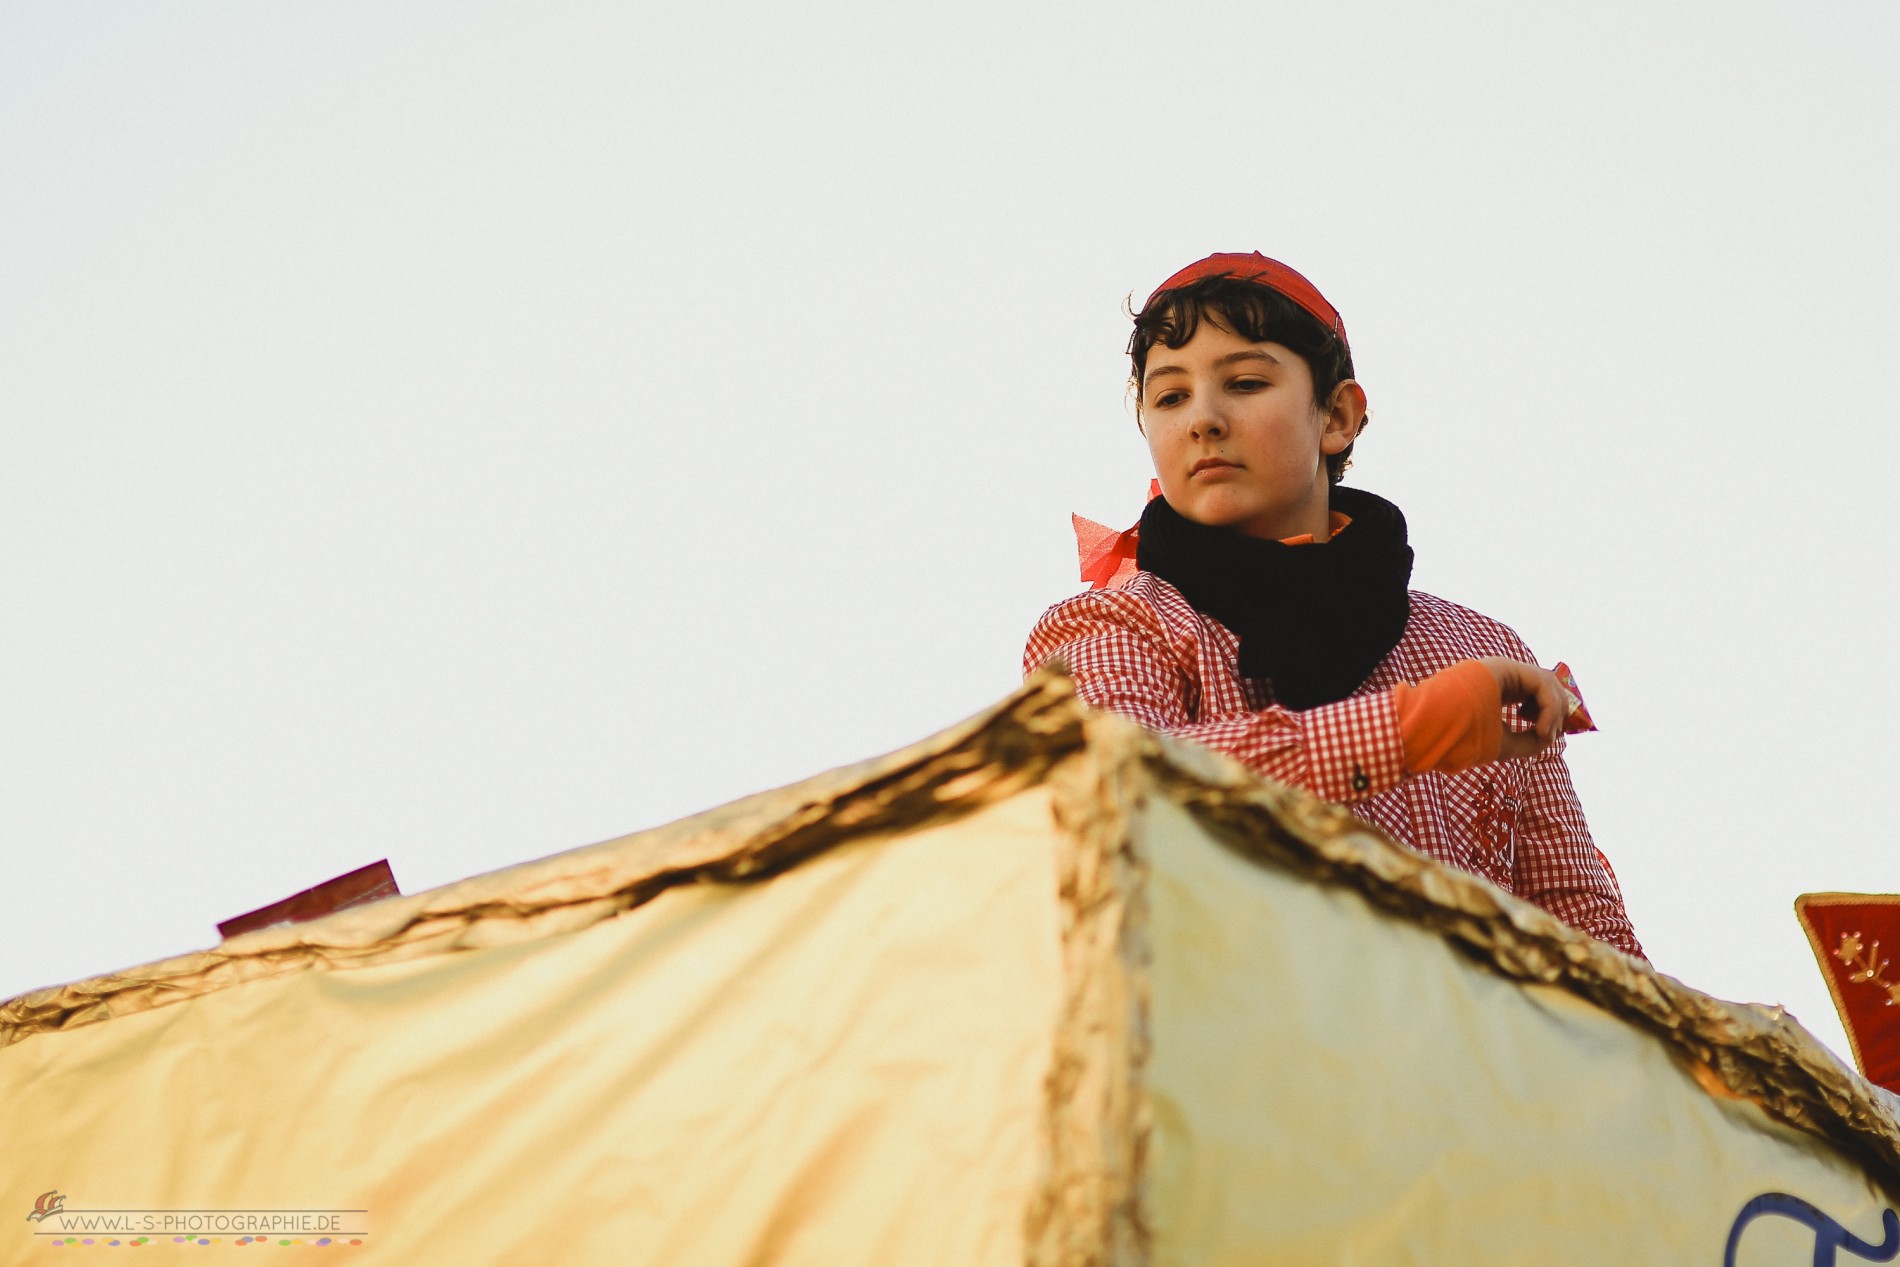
[
  {"x": 997, "y": 752},
  {"x": 1821, "y": 953},
  {"x": 1090, "y": 1208},
  {"x": 1757, "y": 1053}
]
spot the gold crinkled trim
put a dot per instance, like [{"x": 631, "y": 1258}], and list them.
[
  {"x": 1748, "y": 1051},
  {"x": 1090, "y": 1209},
  {"x": 973, "y": 764}
]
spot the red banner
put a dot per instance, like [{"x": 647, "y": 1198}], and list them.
[{"x": 1856, "y": 939}]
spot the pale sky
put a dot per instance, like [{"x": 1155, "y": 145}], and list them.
[{"x": 454, "y": 432}]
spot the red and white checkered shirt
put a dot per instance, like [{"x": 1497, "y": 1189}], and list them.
[{"x": 1144, "y": 651}]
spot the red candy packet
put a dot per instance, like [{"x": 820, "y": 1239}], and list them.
[{"x": 1578, "y": 719}]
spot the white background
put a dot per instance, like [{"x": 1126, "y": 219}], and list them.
[{"x": 453, "y": 432}]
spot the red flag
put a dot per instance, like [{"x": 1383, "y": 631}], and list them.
[{"x": 1856, "y": 939}]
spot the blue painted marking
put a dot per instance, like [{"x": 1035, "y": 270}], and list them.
[{"x": 1829, "y": 1235}]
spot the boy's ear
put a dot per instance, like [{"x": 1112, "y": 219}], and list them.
[{"x": 1345, "y": 417}]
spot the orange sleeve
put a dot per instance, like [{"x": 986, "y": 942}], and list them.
[{"x": 1452, "y": 720}]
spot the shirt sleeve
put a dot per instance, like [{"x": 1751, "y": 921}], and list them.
[
  {"x": 1558, "y": 865},
  {"x": 1123, "y": 660}
]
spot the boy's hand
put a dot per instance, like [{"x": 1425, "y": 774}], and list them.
[{"x": 1539, "y": 699}]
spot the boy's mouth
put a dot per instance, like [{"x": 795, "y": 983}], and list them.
[{"x": 1212, "y": 464}]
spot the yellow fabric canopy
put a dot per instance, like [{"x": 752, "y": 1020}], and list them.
[{"x": 1042, "y": 989}]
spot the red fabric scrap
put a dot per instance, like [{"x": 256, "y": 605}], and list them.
[
  {"x": 1107, "y": 557},
  {"x": 365, "y": 884}
]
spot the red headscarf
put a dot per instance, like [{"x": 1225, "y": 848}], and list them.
[{"x": 1255, "y": 267}]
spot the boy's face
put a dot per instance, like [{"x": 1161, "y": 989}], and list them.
[{"x": 1236, "y": 436}]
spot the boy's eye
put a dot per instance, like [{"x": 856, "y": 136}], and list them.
[
  {"x": 1168, "y": 398},
  {"x": 1249, "y": 384}
]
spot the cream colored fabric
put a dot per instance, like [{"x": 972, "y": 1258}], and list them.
[
  {"x": 1331, "y": 1085},
  {"x": 996, "y": 998},
  {"x": 842, "y": 1064}
]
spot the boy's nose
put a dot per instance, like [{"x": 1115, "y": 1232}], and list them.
[{"x": 1207, "y": 426}]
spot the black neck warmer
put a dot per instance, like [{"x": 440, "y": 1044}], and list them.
[{"x": 1313, "y": 619}]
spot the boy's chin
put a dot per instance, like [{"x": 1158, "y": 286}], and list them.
[
  {"x": 1250, "y": 517},
  {"x": 1213, "y": 513}
]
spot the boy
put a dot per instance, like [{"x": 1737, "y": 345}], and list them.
[{"x": 1268, "y": 615}]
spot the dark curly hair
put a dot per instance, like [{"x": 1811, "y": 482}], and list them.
[{"x": 1257, "y": 313}]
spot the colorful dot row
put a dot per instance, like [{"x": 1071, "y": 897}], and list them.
[{"x": 135, "y": 1242}]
